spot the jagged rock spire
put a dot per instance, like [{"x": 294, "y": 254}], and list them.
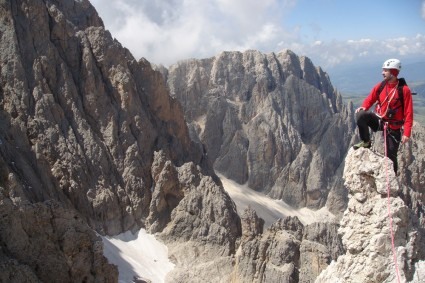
[{"x": 366, "y": 227}]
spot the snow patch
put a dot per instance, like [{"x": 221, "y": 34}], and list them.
[
  {"x": 141, "y": 256},
  {"x": 270, "y": 209},
  {"x": 137, "y": 255}
]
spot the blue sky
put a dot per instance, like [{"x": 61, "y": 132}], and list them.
[
  {"x": 330, "y": 32},
  {"x": 344, "y": 20}
]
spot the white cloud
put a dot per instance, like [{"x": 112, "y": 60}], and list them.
[
  {"x": 329, "y": 54},
  {"x": 165, "y": 31},
  {"x": 363, "y": 54}
]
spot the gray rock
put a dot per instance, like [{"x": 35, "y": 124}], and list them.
[
  {"x": 272, "y": 256},
  {"x": 272, "y": 121},
  {"x": 91, "y": 140},
  {"x": 45, "y": 242},
  {"x": 320, "y": 245},
  {"x": 197, "y": 220},
  {"x": 80, "y": 121},
  {"x": 375, "y": 218}
]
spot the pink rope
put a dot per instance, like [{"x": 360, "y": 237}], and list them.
[{"x": 389, "y": 206}]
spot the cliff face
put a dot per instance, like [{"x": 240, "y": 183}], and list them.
[
  {"x": 71, "y": 95},
  {"x": 81, "y": 122},
  {"x": 48, "y": 243},
  {"x": 92, "y": 142},
  {"x": 272, "y": 121},
  {"x": 375, "y": 210},
  {"x": 286, "y": 252},
  {"x": 412, "y": 172}
]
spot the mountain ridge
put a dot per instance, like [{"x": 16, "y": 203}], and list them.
[
  {"x": 93, "y": 143},
  {"x": 88, "y": 134},
  {"x": 266, "y": 120}
]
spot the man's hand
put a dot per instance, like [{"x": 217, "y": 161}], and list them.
[
  {"x": 359, "y": 109},
  {"x": 404, "y": 139}
]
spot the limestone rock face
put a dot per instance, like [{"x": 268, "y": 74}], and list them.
[
  {"x": 196, "y": 218},
  {"x": 286, "y": 252},
  {"x": 366, "y": 226},
  {"x": 273, "y": 256},
  {"x": 48, "y": 243},
  {"x": 81, "y": 99},
  {"x": 272, "y": 121},
  {"x": 80, "y": 122},
  {"x": 412, "y": 173},
  {"x": 320, "y": 245},
  {"x": 92, "y": 142}
]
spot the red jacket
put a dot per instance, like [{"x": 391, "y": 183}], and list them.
[{"x": 390, "y": 94}]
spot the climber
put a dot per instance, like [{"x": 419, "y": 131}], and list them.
[{"x": 394, "y": 111}]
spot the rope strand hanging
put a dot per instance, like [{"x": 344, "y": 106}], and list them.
[{"x": 389, "y": 207}]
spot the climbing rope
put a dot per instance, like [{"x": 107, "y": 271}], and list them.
[{"x": 389, "y": 205}]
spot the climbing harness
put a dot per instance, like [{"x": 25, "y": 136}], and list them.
[
  {"x": 389, "y": 205},
  {"x": 379, "y": 109}
]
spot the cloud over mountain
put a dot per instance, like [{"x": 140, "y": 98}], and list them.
[{"x": 167, "y": 31}]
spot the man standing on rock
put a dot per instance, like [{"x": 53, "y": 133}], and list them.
[{"x": 394, "y": 109}]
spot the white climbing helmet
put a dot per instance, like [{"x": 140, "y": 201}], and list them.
[{"x": 392, "y": 64}]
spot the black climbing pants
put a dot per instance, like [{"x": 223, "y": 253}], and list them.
[{"x": 366, "y": 120}]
